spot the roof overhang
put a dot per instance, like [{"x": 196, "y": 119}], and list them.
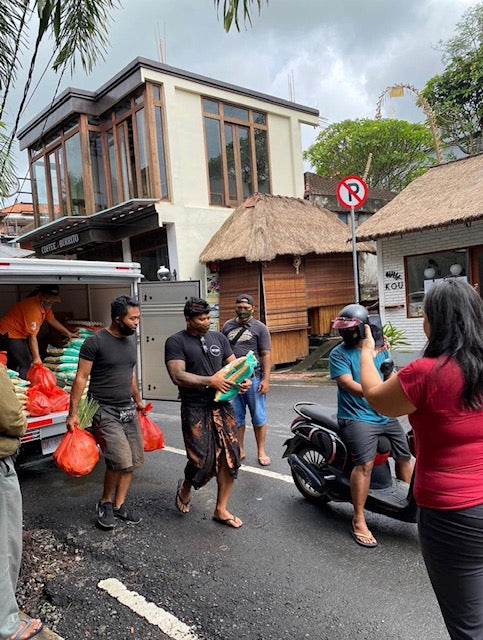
[
  {"x": 404, "y": 231},
  {"x": 72, "y": 234}
]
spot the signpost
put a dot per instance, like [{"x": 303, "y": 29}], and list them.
[{"x": 351, "y": 192}]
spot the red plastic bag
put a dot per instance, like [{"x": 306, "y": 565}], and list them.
[
  {"x": 153, "y": 438},
  {"x": 38, "y": 403},
  {"x": 77, "y": 453},
  {"x": 59, "y": 400},
  {"x": 42, "y": 377}
]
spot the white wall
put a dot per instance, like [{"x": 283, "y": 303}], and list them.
[
  {"x": 192, "y": 221},
  {"x": 391, "y": 253}
]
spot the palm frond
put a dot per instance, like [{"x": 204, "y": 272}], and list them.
[
  {"x": 80, "y": 28},
  {"x": 232, "y": 9},
  {"x": 13, "y": 16}
]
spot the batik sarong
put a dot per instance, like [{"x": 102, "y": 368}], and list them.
[{"x": 210, "y": 434}]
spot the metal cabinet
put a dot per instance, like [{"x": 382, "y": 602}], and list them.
[{"x": 162, "y": 306}]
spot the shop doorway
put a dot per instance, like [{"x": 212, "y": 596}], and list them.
[{"x": 476, "y": 273}]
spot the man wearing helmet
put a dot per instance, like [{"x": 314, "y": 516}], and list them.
[{"x": 360, "y": 424}]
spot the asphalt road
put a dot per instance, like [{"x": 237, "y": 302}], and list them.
[{"x": 291, "y": 572}]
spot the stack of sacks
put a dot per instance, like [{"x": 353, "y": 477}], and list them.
[
  {"x": 63, "y": 361},
  {"x": 20, "y": 386}
]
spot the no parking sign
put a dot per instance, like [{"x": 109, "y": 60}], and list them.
[{"x": 351, "y": 192}]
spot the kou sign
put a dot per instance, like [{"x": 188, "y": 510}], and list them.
[{"x": 351, "y": 192}]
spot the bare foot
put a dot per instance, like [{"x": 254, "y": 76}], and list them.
[{"x": 264, "y": 460}]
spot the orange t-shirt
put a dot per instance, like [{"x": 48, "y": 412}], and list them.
[{"x": 25, "y": 318}]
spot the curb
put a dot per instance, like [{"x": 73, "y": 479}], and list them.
[{"x": 45, "y": 634}]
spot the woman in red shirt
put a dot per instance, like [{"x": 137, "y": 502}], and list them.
[{"x": 442, "y": 393}]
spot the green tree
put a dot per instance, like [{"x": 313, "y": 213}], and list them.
[
  {"x": 401, "y": 151},
  {"x": 232, "y": 9},
  {"x": 456, "y": 95},
  {"x": 78, "y": 31}
]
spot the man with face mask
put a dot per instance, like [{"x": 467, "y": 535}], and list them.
[
  {"x": 245, "y": 333},
  {"x": 20, "y": 325},
  {"x": 360, "y": 424},
  {"x": 109, "y": 358}
]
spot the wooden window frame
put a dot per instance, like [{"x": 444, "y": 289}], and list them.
[{"x": 249, "y": 124}]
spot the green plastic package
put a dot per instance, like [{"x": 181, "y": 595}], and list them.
[{"x": 237, "y": 371}]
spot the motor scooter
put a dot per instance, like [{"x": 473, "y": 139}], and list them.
[{"x": 321, "y": 465}]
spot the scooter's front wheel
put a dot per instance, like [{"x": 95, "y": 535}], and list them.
[{"x": 315, "y": 460}]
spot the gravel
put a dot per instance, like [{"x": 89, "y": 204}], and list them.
[{"x": 44, "y": 558}]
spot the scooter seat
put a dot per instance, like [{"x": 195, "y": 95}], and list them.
[{"x": 317, "y": 414}]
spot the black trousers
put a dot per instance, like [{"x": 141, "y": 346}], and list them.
[
  {"x": 19, "y": 357},
  {"x": 452, "y": 546}
]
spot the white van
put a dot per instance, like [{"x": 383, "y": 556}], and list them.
[{"x": 86, "y": 290}]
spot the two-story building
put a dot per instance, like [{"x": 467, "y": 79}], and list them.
[{"x": 148, "y": 167}]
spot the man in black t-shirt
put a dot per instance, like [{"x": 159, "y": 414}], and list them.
[
  {"x": 194, "y": 359},
  {"x": 109, "y": 358}
]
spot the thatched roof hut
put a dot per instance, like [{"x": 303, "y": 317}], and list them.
[
  {"x": 267, "y": 226},
  {"x": 294, "y": 258},
  {"x": 445, "y": 195}
]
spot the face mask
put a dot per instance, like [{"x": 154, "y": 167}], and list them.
[
  {"x": 46, "y": 303},
  {"x": 124, "y": 329},
  {"x": 243, "y": 314}
]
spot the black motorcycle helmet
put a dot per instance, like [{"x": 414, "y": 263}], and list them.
[{"x": 350, "y": 323}]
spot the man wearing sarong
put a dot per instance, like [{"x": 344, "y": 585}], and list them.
[{"x": 194, "y": 358}]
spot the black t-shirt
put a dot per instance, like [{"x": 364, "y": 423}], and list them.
[
  {"x": 113, "y": 360},
  {"x": 186, "y": 347}
]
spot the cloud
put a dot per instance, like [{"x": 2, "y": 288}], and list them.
[{"x": 341, "y": 55}]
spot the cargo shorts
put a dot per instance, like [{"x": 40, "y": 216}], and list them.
[{"x": 118, "y": 434}]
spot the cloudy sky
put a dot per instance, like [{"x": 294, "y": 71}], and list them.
[{"x": 341, "y": 55}]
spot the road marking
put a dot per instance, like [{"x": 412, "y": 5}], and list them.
[
  {"x": 261, "y": 472},
  {"x": 169, "y": 624}
]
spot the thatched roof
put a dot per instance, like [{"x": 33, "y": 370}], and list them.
[
  {"x": 265, "y": 226},
  {"x": 446, "y": 194}
]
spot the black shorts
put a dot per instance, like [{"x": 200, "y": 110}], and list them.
[{"x": 361, "y": 439}]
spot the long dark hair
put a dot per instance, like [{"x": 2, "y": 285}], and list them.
[{"x": 455, "y": 314}]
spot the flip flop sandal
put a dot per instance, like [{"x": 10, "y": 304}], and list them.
[
  {"x": 363, "y": 539},
  {"x": 186, "y": 503},
  {"x": 24, "y": 627},
  {"x": 228, "y": 521}
]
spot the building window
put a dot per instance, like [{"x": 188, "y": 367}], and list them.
[
  {"x": 237, "y": 152},
  {"x": 97, "y": 168},
  {"x": 160, "y": 155},
  {"x": 57, "y": 174},
  {"x": 39, "y": 191},
  {"x": 90, "y": 163},
  {"x": 424, "y": 270},
  {"x": 74, "y": 175}
]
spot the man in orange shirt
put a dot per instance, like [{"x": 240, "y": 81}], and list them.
[{"x": 19, "y": 328}]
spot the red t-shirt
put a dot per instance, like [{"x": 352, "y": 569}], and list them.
[{"x": 449, "y": 439}]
